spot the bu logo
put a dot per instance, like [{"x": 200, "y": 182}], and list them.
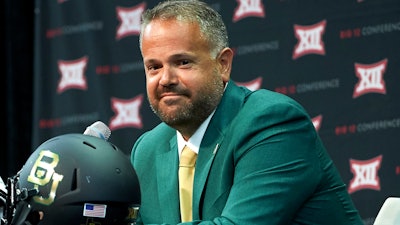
[{"x": 43, "y": 174}]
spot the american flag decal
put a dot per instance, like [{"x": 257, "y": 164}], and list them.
[{"x": 94, "y": 210}]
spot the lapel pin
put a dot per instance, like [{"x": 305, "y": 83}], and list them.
[{"x": 215, "y": 149}]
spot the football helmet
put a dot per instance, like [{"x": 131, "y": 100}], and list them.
[{"x": 73, "y": 179}]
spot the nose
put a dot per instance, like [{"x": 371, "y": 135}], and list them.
[{"x": 168, "y": 76}]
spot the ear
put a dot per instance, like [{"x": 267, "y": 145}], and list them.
[{"x": 224, "y": 61}]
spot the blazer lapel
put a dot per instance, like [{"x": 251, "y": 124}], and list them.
[
  {"x": 203, "y": 165},
  {"x": 167, "y": 178},
  {"x": 229, "y": 106}
]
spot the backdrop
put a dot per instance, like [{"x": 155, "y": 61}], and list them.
[{"x": 339, "y": 59}]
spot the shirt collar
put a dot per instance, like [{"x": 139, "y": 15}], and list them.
[{"x": 195, "y": 140}]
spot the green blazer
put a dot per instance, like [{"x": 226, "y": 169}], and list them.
[{"x": 260, "y": 162}]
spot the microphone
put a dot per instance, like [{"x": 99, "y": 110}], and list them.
[
  {"x": 98, "y": 129},
  {"x": 389, "y": 214}
]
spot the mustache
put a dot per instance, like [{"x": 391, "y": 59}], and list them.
[{"x": 172, "y": 90}]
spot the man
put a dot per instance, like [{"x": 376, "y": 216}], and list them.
[{"x": 259, "y": 158}]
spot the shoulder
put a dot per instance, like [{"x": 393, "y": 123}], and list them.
[
  {"x": 152, "y": 139},
  {"x": 266, "y": 101},
  {"x": 266, "y": 112},
  {"x": 267, "y": 115}
]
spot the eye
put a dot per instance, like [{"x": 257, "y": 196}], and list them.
[
  {"x": 184, "y": 62},
  {"x": 153, "y": 67}
]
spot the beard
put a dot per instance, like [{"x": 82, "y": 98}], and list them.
[{"x": 194, "y": 112}]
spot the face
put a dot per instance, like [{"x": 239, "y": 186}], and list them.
[{"x": 184, "y": 82}]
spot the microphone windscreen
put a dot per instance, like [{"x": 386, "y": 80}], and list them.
[{"x": 98, "y": 129}]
